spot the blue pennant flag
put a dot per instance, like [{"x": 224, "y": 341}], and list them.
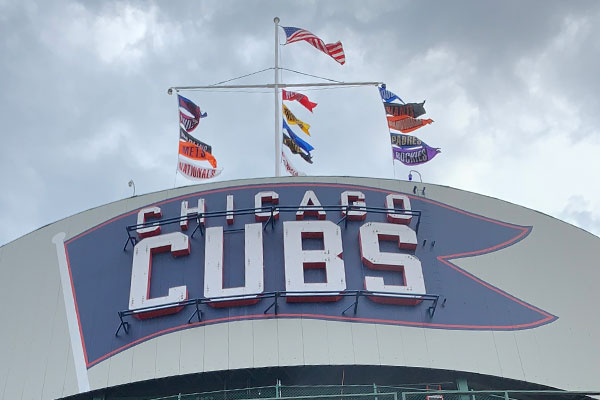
[
  {"x": 303, "y": 145},
  {"x": 388, "y": 96}
]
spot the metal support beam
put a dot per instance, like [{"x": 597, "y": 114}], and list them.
[
  {"x": 123, "y": 324},
  {"x": 355, "y": 304},
  {"x": 462, "y": 386},
  {"x": 130, "y": 239},
  {"x": 198, "y": 313}
]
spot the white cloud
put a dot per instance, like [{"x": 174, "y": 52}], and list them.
[
  {"x": 105, "y": 141},
  {"x": 582, "y": 213},
  {"x": 140, "y": 148},
  {"x": 122, "y": 34},
  {"x": 249, "y": 47}
]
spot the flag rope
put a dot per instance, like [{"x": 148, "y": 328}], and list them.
[
  {"x": 243, "y": 76},
  {"x": 312, "y": 76}
]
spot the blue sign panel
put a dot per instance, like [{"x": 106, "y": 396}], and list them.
[{"x": 101, "y": 271}]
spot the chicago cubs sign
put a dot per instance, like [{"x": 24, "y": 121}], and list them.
[{"x": 325, "y": 251}]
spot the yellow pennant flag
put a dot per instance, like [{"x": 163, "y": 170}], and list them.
[{"x": 291, "y": 119}]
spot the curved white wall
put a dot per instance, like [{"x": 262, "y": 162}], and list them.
[{"x": 554, "y": 268}]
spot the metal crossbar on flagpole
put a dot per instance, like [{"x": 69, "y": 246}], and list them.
[
  {"x": 272, "y": 85},
  {"x": 276, "y": 86}
]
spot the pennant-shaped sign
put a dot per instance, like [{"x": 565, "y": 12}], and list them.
[
  {"x": 410, "y": 109},
  {"x": 289, "y": 167},
  {"x": 291, "y": 118},
  {"x": 405, "y": 141},
  {"x": 388, "y": 96},
  {"x": 407, "y": 124},
  {"x": 195, "y": 172},
  {"x": 334, "y": 50},
  {"x": 299, "y": 97},
  {"x": 195, "y": 152},
  {"x": 295, "y": 149},
  {"x": 303, "y": 145},
  {"x": 189, "y": 122},
  {"x": 416, "y": 155},
  {"x": 186, "y": 137}
]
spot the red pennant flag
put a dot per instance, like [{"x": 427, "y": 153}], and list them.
[{"x": 300, "y": 98}]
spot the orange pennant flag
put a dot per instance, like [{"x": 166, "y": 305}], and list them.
[
  {"x": 406, "y": 124},
  {"x": 195, "y": 152}
]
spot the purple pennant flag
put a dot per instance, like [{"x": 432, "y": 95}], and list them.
[{"x": 415, "y": 155}]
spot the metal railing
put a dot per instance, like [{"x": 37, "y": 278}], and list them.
[
  {"x": 283, "y": 393},
  {"x": 272, "y": 210},
  {"x": 355, "y": 294},
  {"x": 376, "y": 392},
  {"x": 264, "y": 392},
  {"x": 497, "y": 395}
]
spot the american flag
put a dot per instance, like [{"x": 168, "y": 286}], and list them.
[{"x": 334, "y": 50}]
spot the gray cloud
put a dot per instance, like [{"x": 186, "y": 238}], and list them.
[{"x": 512, "y": 87}]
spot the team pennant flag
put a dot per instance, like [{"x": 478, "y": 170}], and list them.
[
  {"x": 405, "y": 141},
  {"x": 388, "y": 96},
  {"x": 416, "y": 155},
  {"x": 299, "y": 97},
  {"x": 406, "y": 124},
  {"x": 291, "y": 118},
  {"x": 195, "y": 152},
  {"x": 195, "y": 172},
  {"x": 289, "y": 167},
  {"x": 295, "y": 149},
  {"x": 186, "y": 137},
  {"x": 410, "y": 109},
  {"x": 334, "y": 50},
  {"x": 190, "y": 119},
  {"x": 303, "y": 145}
]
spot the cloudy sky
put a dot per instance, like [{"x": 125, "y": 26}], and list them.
[{"x": 512, "y": 86}]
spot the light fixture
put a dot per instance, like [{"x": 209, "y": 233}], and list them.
[
  {"x": 132, "y": 184},
  {"x": 416, "y": 172}
]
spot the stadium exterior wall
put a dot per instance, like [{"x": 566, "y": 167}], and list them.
[{"x": 523, "y": 309}]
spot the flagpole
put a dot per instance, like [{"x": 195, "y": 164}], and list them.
[
  {"x": 276, "y": 92},
  {"x": 178, "y": 125},
  {"x": 385, "y": 116}
]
